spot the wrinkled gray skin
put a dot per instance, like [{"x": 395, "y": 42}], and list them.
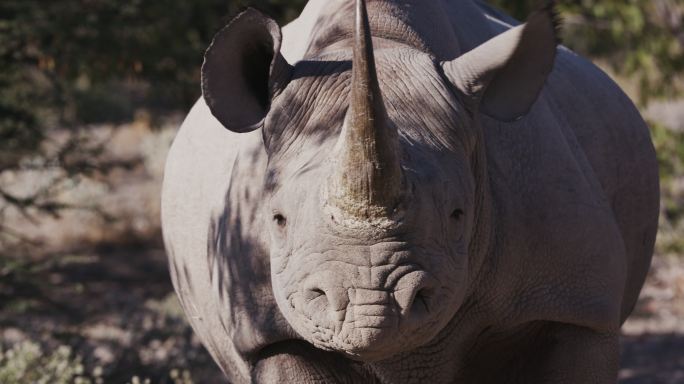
[{"x": 520, "y": 245}]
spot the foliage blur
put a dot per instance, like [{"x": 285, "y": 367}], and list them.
[
  {"x": 69, "y": 67},
  {"x": 67, "y": 64},
  {"x": 26, "y": 363}
]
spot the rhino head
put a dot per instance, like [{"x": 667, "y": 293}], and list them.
[{"x": 377, "y": 206}]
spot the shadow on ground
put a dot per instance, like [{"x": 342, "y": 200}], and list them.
[{"x": 112, "y": 304}]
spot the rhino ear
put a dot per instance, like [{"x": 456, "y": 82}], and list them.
[
  {"x": 505, "y": 75},
  {"x": 243, "y": 69}
]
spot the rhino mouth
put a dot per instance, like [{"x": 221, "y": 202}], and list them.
[
  {"x": 282, "y": 361},
  {"x": 369, "y": 324}
]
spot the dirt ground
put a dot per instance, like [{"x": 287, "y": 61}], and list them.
[
  {"x": 103, "y": 288},
  {"x": 653, "y": 337},
  {"x": 114, "y": 304}
]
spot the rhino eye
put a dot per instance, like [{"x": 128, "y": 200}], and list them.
[
  {"x": 457, "y": 214},
  {"x": 280, "y": 219}
]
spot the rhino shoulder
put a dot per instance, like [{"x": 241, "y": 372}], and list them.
[
  {"x": 198, "y": 166},
  {"x": 580, "y": 172},
  {"x": 200, "y": 170}
]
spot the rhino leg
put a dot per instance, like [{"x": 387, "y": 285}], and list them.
[
  {"x": 572, "y": 354},
  {"x": 297, "y": 362},
  {"x": 543, "y": 353}
]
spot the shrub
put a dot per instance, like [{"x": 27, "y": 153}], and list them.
[{"x": 26, "y": 363}]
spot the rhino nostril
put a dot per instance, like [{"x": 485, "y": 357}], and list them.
[
  {"x": 421, "y": 302},
  {"x": 316, "y": 293},
  {"x": 316, "y": 300},
  {"x": 325, "y": 302},
  {"x": 414, "y": 295}
]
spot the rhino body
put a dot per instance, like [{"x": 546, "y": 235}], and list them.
[{"x": 559, "y": 217}]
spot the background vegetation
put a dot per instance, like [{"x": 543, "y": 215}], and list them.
[{"x": 90, "y": 91}]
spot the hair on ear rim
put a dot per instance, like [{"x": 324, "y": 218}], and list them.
[{"x": 551, "y": 8}]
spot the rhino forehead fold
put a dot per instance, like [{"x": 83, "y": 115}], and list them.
[
  {"x": 308, "y": 116},
  {"x": 408, "y": 191}
]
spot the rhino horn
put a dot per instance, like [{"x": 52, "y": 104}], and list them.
[{"x": 367, "y": 180}]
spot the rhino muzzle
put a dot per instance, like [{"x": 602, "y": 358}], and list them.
[{"x": 366, "y": 322}]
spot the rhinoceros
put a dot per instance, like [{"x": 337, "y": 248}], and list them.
[{"x": 408, "y": 191}]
